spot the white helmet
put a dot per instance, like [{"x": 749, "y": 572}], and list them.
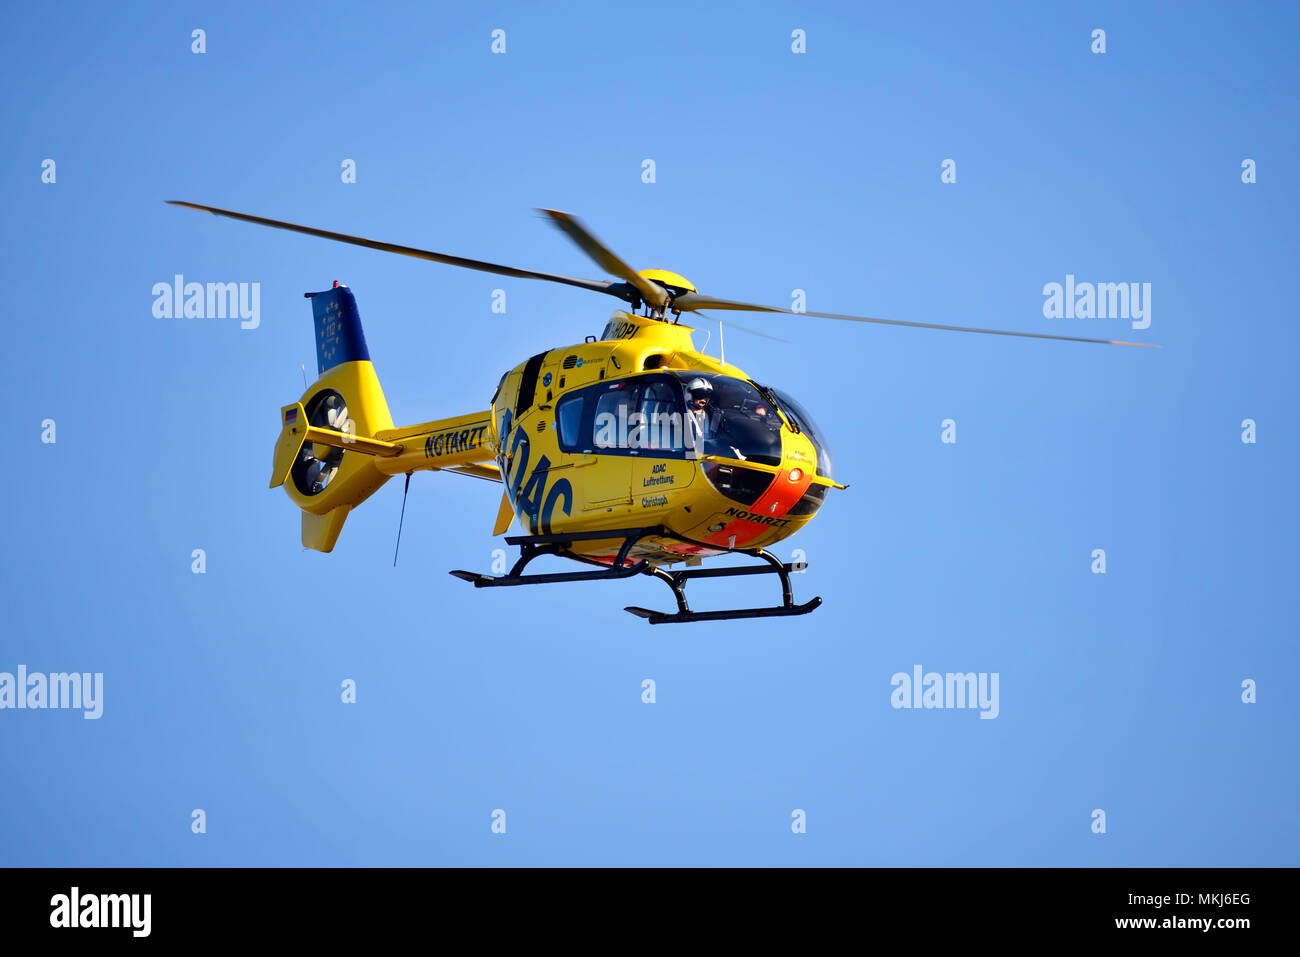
[{"x": 700, "y": 387}]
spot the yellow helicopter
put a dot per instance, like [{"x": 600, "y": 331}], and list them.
[{"x": 632, "y": 451}]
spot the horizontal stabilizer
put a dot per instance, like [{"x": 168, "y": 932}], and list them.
[{"x": 295, "y": 433}]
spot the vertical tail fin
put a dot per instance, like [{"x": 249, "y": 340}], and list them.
[
  {"x": 325, "y": 481},
  {"x": 339, "y": 338}
]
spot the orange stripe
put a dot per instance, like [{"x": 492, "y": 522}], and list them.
[{"x": 782, "y": 493}]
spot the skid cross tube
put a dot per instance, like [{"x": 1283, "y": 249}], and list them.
[
  {"x": 677, "y": 582},
  {"x": 534, "y": 546}
]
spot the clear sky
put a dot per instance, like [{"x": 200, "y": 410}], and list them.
[{"x": 774, "y": 171}]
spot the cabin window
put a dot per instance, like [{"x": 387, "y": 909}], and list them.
[
  {"x": 661, "y": 426},
  {"x": 568, "y": 413},
  {"x": 641, "y": 415},
  {"x": 609, "y": 424}
]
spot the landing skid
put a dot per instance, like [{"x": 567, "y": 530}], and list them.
[{"x": 534, "y": 546}]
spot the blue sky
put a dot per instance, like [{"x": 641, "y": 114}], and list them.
[{"x": 774, "y": 171}]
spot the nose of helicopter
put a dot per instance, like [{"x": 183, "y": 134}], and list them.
[
  {"x": 798, "y": 459},
  {"x": 791, "y": 484},
  {"x": 814, "y": 440},
  {"x": 804, "y": 457}
]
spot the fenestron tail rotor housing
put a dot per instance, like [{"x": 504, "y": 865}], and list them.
[{"x": 318, "y": 464}]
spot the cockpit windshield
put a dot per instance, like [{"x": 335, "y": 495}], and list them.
[
  {"x": 804, "y": 423},
  {"x": 728, "y": 417}
]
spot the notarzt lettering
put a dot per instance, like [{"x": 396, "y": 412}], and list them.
[
  {"x": 760, "y": 519},
  {"x": 449, "y": 443}
]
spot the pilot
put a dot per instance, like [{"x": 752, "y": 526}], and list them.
[{"x": 699, "y": 412}]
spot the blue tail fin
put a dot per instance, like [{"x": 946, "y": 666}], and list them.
[{"x": 339, "y": 337}]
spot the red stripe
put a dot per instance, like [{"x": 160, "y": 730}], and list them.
[{"x": 782, "y": 493}]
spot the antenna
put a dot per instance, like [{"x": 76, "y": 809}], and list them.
[
  {"x": 401, "y": 519},
  {"x": 722, "y": 349},
  {"x": 304, "y": 376}
]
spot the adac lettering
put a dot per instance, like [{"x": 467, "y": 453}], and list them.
[
  {"x": 760, "y": 519},
  {"x": 530, "y": 498},
  {"x": 457, "y": 440}
]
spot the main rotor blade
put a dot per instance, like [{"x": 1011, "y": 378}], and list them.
[
  {"x": 737, "y": 326},
  {"x": 695, "y": 302},
  {"x": 602, "y": 256},
  {"x": 618, "y": 289}
]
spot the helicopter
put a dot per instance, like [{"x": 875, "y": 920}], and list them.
[{"x": 631, "y": 452}]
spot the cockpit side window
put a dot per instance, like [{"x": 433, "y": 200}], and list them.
[{"x": 730, "y": 418}]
